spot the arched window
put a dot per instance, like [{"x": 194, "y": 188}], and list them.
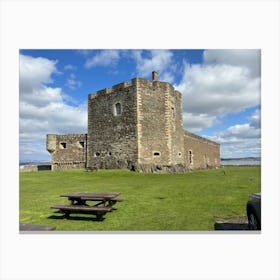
[{"x": 117, "y": 109}]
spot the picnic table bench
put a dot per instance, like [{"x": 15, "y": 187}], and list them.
[{"x": 79, "y": 204}]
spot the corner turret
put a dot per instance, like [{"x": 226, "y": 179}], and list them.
[{"x": 51, "y": 143}]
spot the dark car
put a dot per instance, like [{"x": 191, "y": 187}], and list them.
[{"x": 254, "y": 211}]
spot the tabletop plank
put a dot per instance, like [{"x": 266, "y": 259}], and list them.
[{"x": 84, "y": 195}]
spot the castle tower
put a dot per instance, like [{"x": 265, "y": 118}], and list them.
[
  {"x": 112, "y": 128},
  {"x": 136, "y": 126},
  {"x": 160, "y": 125}
]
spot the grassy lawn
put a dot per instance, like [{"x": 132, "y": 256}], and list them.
[{"x": 152, "y": 202}]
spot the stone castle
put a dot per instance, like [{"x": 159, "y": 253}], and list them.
[{"x": 137, "y": 126}]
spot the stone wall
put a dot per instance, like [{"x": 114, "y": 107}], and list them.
[
  {"x": 33, "y": 167},
  {"x": 67, "y": 151},
  {"x": 112, "y": 128},
  {"x": 160, "y": 132},
  {"x": 200, "y": 153}
]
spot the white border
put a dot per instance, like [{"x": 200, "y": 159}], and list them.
[{"x": 135, "y": 24}]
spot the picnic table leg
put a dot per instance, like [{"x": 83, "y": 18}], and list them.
[
  {"x": 66, "y": 215},
  {"x": 99, "y": 216},
  {"x": 111, "y": 202},
  {"x": 78, "y": 201}
]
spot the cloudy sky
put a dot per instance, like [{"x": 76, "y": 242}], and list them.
[{"x": 220, "y": 89}]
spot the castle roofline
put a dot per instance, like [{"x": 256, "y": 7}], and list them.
[
  {"x": 135, "y": 81},
  {"x": 200, "y": 138}
]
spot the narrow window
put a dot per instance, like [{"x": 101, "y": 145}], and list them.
[
  {"x": 81, "y": 144},
  {"x": 156, "y": 154},
  {"x": 190, "y": 157},
  {"x": 172, "y": 112},
  {"x": 118, "y": 109},
  {"x": 62, "y": 145}
]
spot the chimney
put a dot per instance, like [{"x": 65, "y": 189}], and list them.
[{"x": 155, "y": 76}]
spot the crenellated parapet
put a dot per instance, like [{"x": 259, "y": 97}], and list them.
[{"x": 152, "y": 85}]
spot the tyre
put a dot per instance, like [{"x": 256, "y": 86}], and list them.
[{"x": 253, "y": 221}]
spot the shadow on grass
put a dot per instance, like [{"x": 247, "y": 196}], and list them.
[
  {"x": 76, "y": 218},
  {"x": 230, "y": 226},
  {"x": 159, "y": 197}
]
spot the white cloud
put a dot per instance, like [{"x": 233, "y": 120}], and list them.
[
  {"x": 240, "y": 140},
  {"x": 247, "y": 58},
  {"x": 228, "y": 81},
  {"x": 146, "y": 61},
  {"x": 238, "y": 149},
  {"x": 42, "y": 108},
  {"x": 239, "y": 132},
  {"x": 215, "y": 90},
  {"x": 70, "y": 67},
  {"x": 72, "y": 82},
  {"x": 158, "y": 60},
  {"x": 35, "y": 72},
  {"x": 103, "y": 58},
  {"x": 197, "y": 122},
  {"x": 41, "y": 96},
  {"x": 84, "y": 52},
  {"x": 256, "y": 119}
]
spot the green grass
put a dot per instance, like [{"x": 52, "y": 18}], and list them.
[{"x": 152, "y": 202}]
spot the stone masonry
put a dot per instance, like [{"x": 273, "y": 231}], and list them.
[
  {"x": 112, "y": 128},
  {"x": 67, "y": 151},
  {"x": 136, "y": 126},
  {"x": 200, "y": 153}
]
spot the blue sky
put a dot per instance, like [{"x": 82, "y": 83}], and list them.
[{"x": 220, "y": 90}]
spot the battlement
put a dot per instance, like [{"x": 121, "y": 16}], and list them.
[
  {"x": 153, "y": 84},
  {"x": 115, "y": 88},
  {"x": 104, "y": 91},
  {"x": 120, "y": 86}
]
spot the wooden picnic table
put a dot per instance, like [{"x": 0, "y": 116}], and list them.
[
  {"x": 79, "y": 203},
  {"x": 80, "y": 198}
]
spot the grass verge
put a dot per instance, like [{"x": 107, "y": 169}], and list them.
[{"x": 152, "y": 202}]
